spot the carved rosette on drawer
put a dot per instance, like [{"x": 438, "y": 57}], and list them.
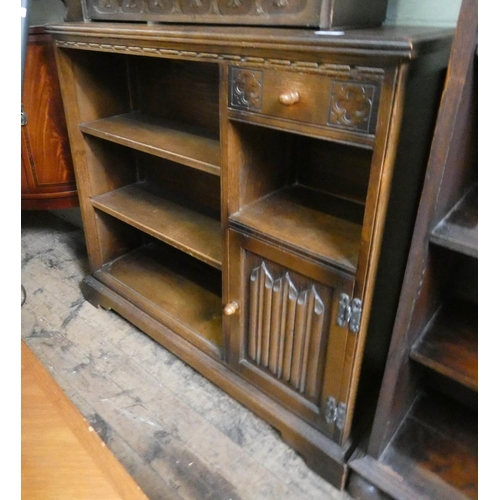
[
  {"x": 246, "y": 89},
  {"x": 142, "y": 9},
  {"x": 285, "y": 329},
  {"x": 352, "y": 106}
]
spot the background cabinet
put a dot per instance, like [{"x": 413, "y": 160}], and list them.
[
  {"x": 424, "y": 440},
  {"x": 246, "y": 206},
  {"x": 47, "y": 176}
]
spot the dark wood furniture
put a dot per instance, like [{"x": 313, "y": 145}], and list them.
[
  {"x": 240, "y": 189},
  {"x": 323, "y": 14},
  {"x": 423, "y": 444},
  {"x": 47, "y": 175}
]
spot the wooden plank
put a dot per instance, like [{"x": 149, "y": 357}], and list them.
[
  {"x": 173, "y": 290},
  {"x": 450, "y": 344},
  {"x": 296, "y": 217},
  {"x": 435, "y": 450},
  {"x": 62, "y": 456},
  {"x": 459, "y": 229},
  {"x": 174, "y": 141},
  {"x": 188, "y": 230}
]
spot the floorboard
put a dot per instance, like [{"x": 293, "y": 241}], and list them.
[{"x": 179, "y": 436}]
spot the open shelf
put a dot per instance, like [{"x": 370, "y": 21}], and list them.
[
  {"x": 435, "y": 449},
  {"x": 449, "y": 345},
  {"x": 185, "y": 229},
  {"x": 186, "y": 144},
  {"x": 307, "y": 220},
  {"x": 458, "y": 231},
  {"x": 179, "y": 291}
]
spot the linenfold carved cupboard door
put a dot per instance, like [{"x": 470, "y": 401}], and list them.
[{"x": 286, "y": 336}]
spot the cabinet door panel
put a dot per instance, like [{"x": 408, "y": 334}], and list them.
[{"x": 286, "y": 339}]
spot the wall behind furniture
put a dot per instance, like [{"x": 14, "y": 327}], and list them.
[{"x": 423, "y": 12}]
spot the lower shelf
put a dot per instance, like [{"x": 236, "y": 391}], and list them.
[
  {"x": 172, "y": 287},
  {"x": 435, "y": 450},
  {"x": 139, "y": 284}
]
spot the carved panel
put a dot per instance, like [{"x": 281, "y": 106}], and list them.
[
  {"x": 212, "y": 8},
  {"x": 353, "y": 106},
  {"x": 246, "y": 89},
  {"x": 285, "y": 326}
]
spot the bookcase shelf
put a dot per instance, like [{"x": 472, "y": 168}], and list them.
[
  {"x": 180, "y": 226},
  {"x": 188, "y": 145}
]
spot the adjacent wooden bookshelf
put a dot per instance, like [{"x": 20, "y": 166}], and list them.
[{"x": 424, "y": 440}]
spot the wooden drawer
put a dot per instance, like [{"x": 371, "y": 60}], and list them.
[{"x": 303, "y": 98}]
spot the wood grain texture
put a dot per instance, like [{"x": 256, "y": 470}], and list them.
[
  {"x": 48, "y": 179},
  {"x": 61, "y": 454}
]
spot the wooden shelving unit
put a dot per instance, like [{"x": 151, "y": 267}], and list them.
[
  {"x": 424, "y": 440},
  {"x": 247, "y": 233}
]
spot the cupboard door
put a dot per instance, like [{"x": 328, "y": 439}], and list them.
[{"x": 282, "y": 312}]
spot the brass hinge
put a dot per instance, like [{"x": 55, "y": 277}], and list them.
[
  {"x": 335, "y": 412},
  {"x": 349, "y": 312}
]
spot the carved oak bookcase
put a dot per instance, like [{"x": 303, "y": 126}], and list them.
[{"x": 246, "y": 197}]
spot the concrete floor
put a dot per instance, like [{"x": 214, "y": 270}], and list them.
[{"x": 178, "y": 435}]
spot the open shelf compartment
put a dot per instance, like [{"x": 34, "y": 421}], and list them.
[
  {"x": 435, "y": 449},
  {"x": 175, "y": 289},
  {"x": 307, "y": 194},
  {"x": 449, "y": 345},
  {"x": 458, "y": 231},
  {"x": 195, "y": 233},
  {"x": 188, "y": 145}
]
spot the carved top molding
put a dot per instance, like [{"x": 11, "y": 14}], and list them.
[{"x": 303, "y": 66}]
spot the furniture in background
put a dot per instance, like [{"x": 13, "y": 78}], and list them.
[
  {"x": 47, "y": 175},
  {"x": 424, "y": 441},
  {"x": 248, "y": 198},
  {"x": 323, "y": 14}
]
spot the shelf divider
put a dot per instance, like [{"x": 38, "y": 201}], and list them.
[
  {"x": 188, "y": 230},
  {"x": 179, "y": 142}
]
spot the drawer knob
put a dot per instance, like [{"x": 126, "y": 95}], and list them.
[
  {"x": 290, "y": 97},
  {"x": 231, "y": 308}
]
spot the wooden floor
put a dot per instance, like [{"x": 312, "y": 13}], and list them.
[{"x": 177, "y": 435}]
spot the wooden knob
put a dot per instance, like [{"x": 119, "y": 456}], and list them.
[
  {"x": 231, "y": 308},
  {"x": 290, "y": 97}
]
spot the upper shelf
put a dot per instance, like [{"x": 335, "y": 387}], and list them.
[
  {"x": 458, "y": 231},
  {"x": 173, "y": 141}
]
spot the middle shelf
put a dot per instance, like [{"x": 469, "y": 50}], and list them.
[{"x": 193, "y": 232}]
